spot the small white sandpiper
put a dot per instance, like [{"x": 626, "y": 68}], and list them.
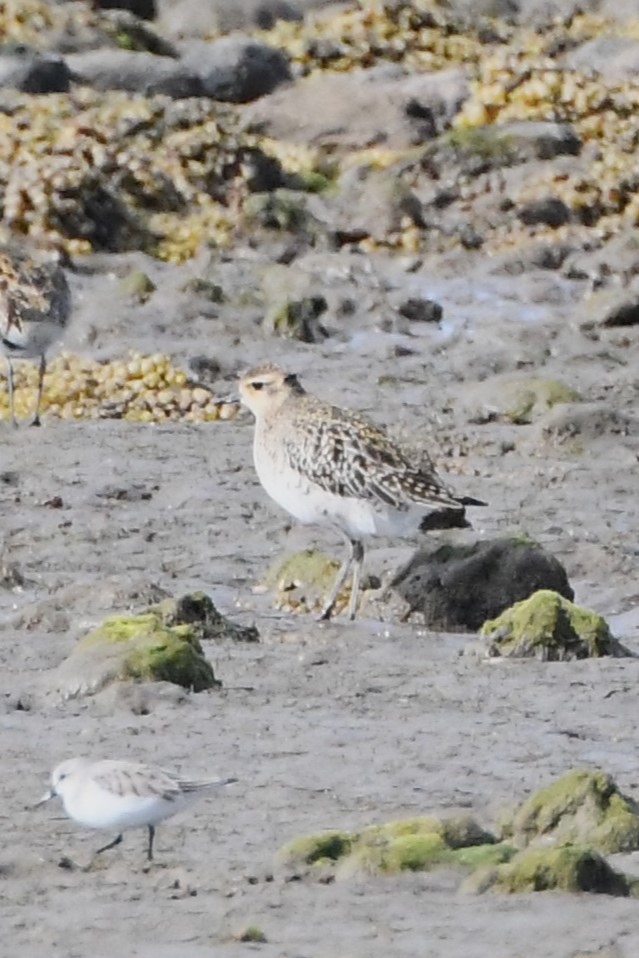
[
  {"x": 120, "y": 795},
  {"x": 35, "y": 306},
  {"x": 329, "y": 466}
]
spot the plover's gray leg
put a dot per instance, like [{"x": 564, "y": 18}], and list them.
[
  {"x": 355, "y": 555},
  {"x": 358, "y": 562},
  {"x": 42, "y": 370}
]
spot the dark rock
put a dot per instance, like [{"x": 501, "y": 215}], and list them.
[
  {"x": 470, "y": 238},
  {"x": 541, "y": 139},
  {"x": 236, "y": 69},
  {"x": 421, "y": 310},
  {"x": 625, "y": 313},
  {"x": 549, "y": 211},
  {"x": 137, "y": 72},
  {"x": 458, "y": 587},
  {"x": 197, "y": 611},
  {"x": 144, "y": 9},
  {"x": 32, "y": 72}
]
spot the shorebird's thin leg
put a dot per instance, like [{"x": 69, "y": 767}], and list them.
[
  {"x": 340, "y": 579},
  {"x": 358, "y": 561},
  {"x": 149, "y": 853},
  {"x": 43, "y": 368},
  {"x": 105, "y": 848},
  {"x": 10, "y": 391}
]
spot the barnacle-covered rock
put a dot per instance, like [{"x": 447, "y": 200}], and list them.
[
  {"x": 117, "y": 172},
  {"x": 138, "y": 388}
]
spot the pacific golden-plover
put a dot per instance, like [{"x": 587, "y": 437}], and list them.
[
  {"x": 119, "y": 795},
  {"x": 328, "y": 466},
  {"x": 35, "y": 306}
]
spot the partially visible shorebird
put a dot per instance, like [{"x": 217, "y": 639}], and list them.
[
  {"x": 35, "y": 306},
  {"x": 120, "y": 795},
  {"x": 329, "y": 466}
]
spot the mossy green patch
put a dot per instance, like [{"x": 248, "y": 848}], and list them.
[
  {"x": 482, "y": 856},
  {"x": 534, "y": 396},
  {"x": 582, "y": 807},
  {"x": 486, "y": 142},
  {"x": 137, "y": 285},
  {"x": 149, "y": 650},
  {"x": 551, "y": 628},
  {"x": 415, "y": 844},
  {"x": 569, "y": 868},
  {"x": 316, "y": 849},
  {"x": 302, "y": 580}
]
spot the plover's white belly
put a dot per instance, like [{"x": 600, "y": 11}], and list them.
[
  {"x": 312, "y": 505},
  {"x": 32, "y": 340}
]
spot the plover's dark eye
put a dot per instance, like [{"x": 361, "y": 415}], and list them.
[{"x": 258, "y": 385}]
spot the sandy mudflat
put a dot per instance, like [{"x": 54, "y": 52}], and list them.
[{"x": 325, "y": 725}]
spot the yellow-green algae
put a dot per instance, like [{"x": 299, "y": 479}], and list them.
[
  {"x": 302, "y": 580},
  {"x": 569, "y": 868},
  {"x": 551, "y": 628},
  {"x": 536, "y": 396},
  {"x": 152, "y": 651},
  {"x": 415, "y": 844},
  {"x": 582, "y": 807}
]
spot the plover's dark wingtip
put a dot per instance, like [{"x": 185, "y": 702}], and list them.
[
  {"x": 469, "y": 501},
  {"x": 444, "y": 519}
]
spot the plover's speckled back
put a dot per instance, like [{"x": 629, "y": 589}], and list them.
[
  {"x": 329, "y": 466},
  {"x": 120, "y": 795},
  {"x": 35, "y": 306}
]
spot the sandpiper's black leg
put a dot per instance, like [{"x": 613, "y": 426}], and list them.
[
  {"x": 149, "y": 853},
  {"x": 105, "y": 848}
]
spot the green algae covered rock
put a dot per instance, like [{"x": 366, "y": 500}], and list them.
[
  {"x": 302, "y": 580},
  {"x": 583, "y": 807},
  {"x": 514, "y": 398},
  {"x": 569, "y": 868},
  {"x": 414, "y": 844},
  {"x": 549, "y": 627},
  {"x": 160, "y": 644}
]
